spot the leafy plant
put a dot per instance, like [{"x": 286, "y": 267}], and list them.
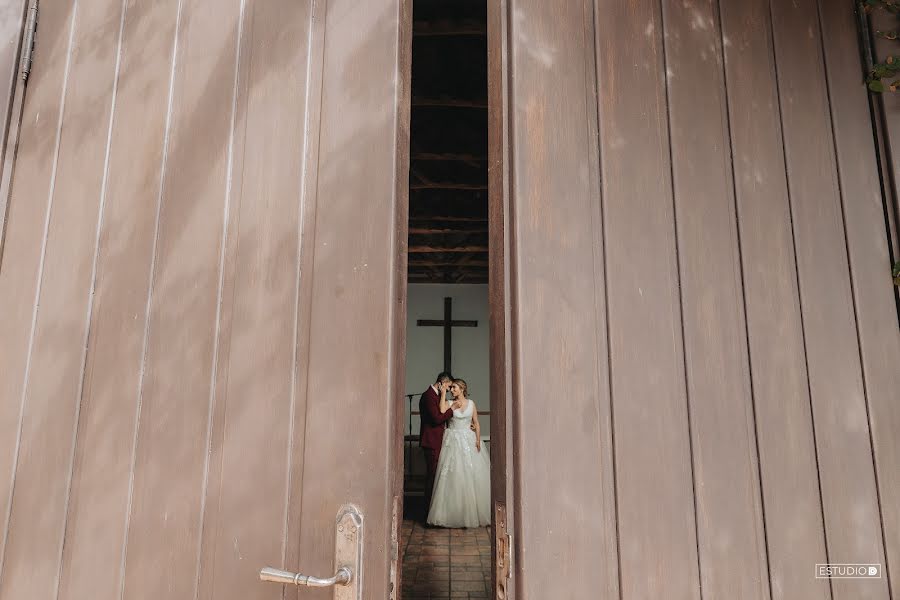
[{"x": 885, "y": 75}]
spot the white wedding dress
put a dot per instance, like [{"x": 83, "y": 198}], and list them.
[{"x": 462, "y": 484}]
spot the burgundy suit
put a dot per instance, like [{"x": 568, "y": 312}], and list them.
[{"x": 431, "y": 433}]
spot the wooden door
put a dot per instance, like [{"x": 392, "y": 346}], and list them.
[
  {"x": 693, "y": 252},
  {"x": 203, "y": 297}
]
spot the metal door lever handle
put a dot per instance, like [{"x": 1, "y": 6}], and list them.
[
  {"x": 348, "y": 580},
  {"x": 343, "y": 577}
]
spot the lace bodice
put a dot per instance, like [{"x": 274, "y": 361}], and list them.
[{"x": 462, "y": 418}]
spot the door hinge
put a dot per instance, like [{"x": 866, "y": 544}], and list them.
[
  {"x": 395, "y": 550},
  {"x": 28, "y": 39},
  {"x": 503, "y": 551}
]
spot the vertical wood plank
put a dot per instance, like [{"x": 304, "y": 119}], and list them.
[
  {"x": 652, "y": 443},
  {"x": 172, "y": 441},
  {"x": 23, "y": 250},
  {"x": 358, "y": 287},
  {"x": 309, "y": 204},
  {"x": 849, "y": 495},
  {"x": 37, "y": 419},
  {"x": 787, "y": 453},
  {"x": 730, "y": 524},
  {"x": 869, "y": 259},
  {"x": 398, "y": 260},
  {"x": 61, "y": 327},
  {"x": 100, "y": 498},
  {"x": 499, "y": 279},
  {"x": 213, "y": 486},
  {"x": 251, "y": 448},
  {"x": 565, "y": 504}
]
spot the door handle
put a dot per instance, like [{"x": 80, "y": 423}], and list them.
[
  {"x": 346, "y": 581},
  {"x": 342, "y": 577}
]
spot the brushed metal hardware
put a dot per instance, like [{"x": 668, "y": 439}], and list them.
[
  {"x": 342, "y": 577},
  {"x": 347, "y": 579},
  {"x": 393, "y": 584},
  {"x": 503, "y": 552},
  {"x": 28, "y": 40}
]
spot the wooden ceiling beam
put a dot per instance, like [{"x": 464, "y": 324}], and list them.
[
  {"x": 473, "y": 260},
  {"x": 448, "y": 270},
  {"x": 438, "y": 225},
  {"x": 448, "y": 156},
  {"x": 425, "y": 183},
  {"x": 433, "y": 249},
  {"x": 454, "y": 200},
  {"x": 439, "y": 272},
  {"x": 426, "y": 263},
  {"x": 418, "y": 175},
  {"x": 447, "y": 185},
  {"x": 446, "y": 219},
  {"x": 446, "y": 279},
  {"x": 451, "y": 102},
  {"x": 443, "y": 230}
]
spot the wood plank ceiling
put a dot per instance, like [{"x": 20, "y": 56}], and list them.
[{"x": 448, "y": 237}]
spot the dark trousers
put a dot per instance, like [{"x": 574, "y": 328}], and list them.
[{"x": 431, "y": 462}]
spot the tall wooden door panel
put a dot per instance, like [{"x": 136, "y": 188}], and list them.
[
  {"x": 700, "y": 400},
  {"x": 864, "y": 211},
  {"x": 784, "y": 434},
  {"x": 730, "y": 528},
  {"x": 203, "y": 297},
  {"x": 847, "y": 479}
]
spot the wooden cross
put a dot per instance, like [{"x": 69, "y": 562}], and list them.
[{"x": 447, "y": 323}]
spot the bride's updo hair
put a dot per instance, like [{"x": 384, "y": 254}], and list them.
[{"x": 462, "y": 384}]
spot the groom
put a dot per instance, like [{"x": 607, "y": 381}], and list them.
[{"x": 431, "y": 430}]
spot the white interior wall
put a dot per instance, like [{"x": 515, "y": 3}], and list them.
[{"x": 425, "y": 345}]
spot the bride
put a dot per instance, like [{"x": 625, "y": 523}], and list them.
[{"x": 462, "y": 485}]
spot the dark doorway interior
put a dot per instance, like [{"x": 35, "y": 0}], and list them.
[
  {"x": 448, "y": 201},
  {"x": 448, "y": 244}
]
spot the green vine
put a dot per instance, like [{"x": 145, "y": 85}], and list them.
[{"x": 885, "y": 75}]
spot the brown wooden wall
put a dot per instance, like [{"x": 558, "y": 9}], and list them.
[
  {"x": 703, "y": 334},
  {"x": 175, "y": 407}
]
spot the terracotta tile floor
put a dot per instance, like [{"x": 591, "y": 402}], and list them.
[{"x": 445, "y": 563}]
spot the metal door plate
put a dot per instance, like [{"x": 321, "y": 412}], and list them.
[
  {"x": 348, "y": 551},
  {"x": 503, "y": 552}
]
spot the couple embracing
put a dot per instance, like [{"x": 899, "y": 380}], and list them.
[{"x": 458, "y": 490}]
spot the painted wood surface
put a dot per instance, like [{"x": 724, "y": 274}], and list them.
[
  {"x": 706, "y": 173},
  {"x": 186, "y": 251}
]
